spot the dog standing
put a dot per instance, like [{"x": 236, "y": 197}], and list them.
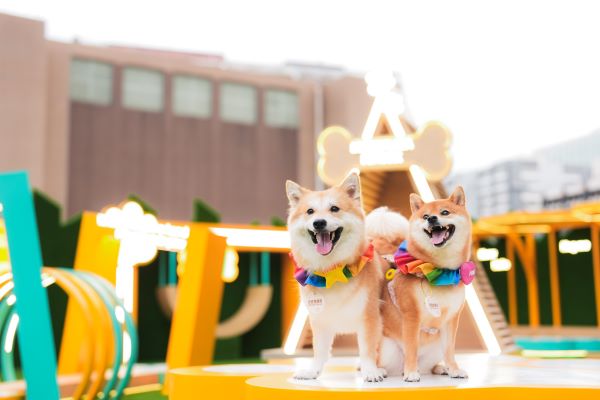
[
  {"x": 340, "y": 276},
  {"x": 426, "y": 294}
]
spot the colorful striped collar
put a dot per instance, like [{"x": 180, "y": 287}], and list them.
[
  {"x": 407, "y": 264},
  {"x": 338, "y": 273}
]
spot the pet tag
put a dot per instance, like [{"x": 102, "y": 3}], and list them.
[
  {"x": 315, "y": 303},
  {"x": 433, "y": 306}
]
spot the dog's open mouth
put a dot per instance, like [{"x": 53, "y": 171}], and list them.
[
  {"x": 440, "y": 234},
  {"x": 325, "y": 240}
]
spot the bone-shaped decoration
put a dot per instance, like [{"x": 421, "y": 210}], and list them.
[{"x": 340, "y": 153}]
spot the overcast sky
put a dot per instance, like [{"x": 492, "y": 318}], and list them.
[{"x": 506, "y": 76}]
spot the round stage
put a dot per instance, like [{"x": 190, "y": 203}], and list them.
[{"x": 489, "y": 377}]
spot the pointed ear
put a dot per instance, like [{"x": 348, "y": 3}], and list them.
[
  {"x": 416, "y": 202},
  {"x": 294, "y": 192},
  {"x": 458, "y": 196},
  {"x": 351, "y": 186}
]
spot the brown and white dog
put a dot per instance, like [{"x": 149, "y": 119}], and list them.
[
  {"x": 421, "y": 320},
  {"x": 327, "y": 230}
]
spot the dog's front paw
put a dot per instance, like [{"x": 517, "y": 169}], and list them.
[
  {"x": 413, "y": 376},
  {"x": 373, "y": 374},
  {"x": 440, "y": 369},
  {"x": 457, "y": 373},
  {"x": 306, "y": 374}
]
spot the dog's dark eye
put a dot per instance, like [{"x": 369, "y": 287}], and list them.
[
  {"x": 310, "y": 211},
  {"x": 334, "y": 209},
  {"x": 425, "y": 216},
  {"x": 445, "y": 212}
]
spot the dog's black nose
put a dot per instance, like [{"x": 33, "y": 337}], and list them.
[
  {"x": 319, "y": 224},
  {"x": 432, "y": 219}
]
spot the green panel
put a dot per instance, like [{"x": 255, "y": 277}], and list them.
[
  {"x": 522, "y": 299},
  {"x": 543, "y": 274},
  {"x": 233, "y": 296},
  {"x": 153, "y": 324},
  {"x": 58, "y": 242},
  {"x": 203, "y": 212},
  {"x": 267, "y": 334},
  {"x": 576, "y": 283}
]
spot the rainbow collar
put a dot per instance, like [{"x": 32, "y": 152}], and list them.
[
  {"x": 338, "y": 273},
  {"x": 407, "y": 264}
]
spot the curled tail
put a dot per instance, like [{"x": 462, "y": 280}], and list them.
[{"x": 386, "y": 229}]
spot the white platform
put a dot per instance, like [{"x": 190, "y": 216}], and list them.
[{"x": 484, "y": 371}]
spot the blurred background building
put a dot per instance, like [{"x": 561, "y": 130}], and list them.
[
  {"x": 94, "y": 124},
  {"x": 552, "y": 177}
]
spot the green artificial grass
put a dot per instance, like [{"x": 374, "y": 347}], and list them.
[{"x": 156, "y": 395}]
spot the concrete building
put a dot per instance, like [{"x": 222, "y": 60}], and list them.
[{"x": 94, "y": 124}]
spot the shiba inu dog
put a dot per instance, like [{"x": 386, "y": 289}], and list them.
[
  {"x": 426, "y": 295},
  {"x": 341, "y": 278}
]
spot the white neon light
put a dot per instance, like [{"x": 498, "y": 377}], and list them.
[
  {"x": 230, "y": 265},
  {"x": 6, "y": 288},
  {"x": 389, "y": 101},
  {"x": 500, "y": 265},
  {"x": 382, "y": 150},
  {"x": 120, "y": 314},
  {"x": 487, "y": 254},
  {"x": 11, "y": 300},
  {"x": 47, "y": 281},
  {"x": 573, "y": 247},
  {"x": 420, "y": 181},
  {"x": 239, "y": 237},
  {"x": 10, "y": 334},
  {"x": 124, "y": 285},
  {"x": 482, "y": 322},
  {"x": 126, "y": 347},
  {"x": 291, "y": 343},
  {"x": 1, "y": 207},
  {"x": 141, "y": 237}
]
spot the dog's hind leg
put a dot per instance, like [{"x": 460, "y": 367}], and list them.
[{"x": 391, "y": 357}]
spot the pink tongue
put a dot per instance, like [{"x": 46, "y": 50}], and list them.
[
  {"x": 324, "y": 243},
  {"x": 437, "y": 237}
]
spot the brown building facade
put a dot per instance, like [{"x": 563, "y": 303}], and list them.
[{"x": 95, "y": 124}]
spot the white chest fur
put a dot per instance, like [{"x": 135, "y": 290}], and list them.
[{"x": 339, "y": 308}]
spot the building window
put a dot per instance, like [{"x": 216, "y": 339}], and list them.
[
  {"x": 281, "y": 108},
  {"x": 143, "y": 89},
  {"x": 192, "y": 97},
  {"x": 237, "y": 103},
  {"x": 91, "y": 82}
]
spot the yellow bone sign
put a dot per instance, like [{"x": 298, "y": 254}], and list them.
[
  {"x": 385, "y": 143},
  {"x": 428, "y": 148}
]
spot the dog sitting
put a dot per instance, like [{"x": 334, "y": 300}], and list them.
[
  {"x": 426, "y": 293},
  {"x": 340, "y": 276}
]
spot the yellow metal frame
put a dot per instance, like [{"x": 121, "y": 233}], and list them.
[
  {"x": 519, "y": 230},
  {"x": 200, "y": 290}
]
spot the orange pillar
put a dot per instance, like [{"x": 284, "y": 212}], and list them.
[
  {"x": 290, "y": 296},
  {"x": 532, "y": 283},
  {"x": 554, "y": 279},
  {"x": 199, "y": 294},
  {"x": 595, "y": 228},
  {"x": 512, "y": 283}
]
